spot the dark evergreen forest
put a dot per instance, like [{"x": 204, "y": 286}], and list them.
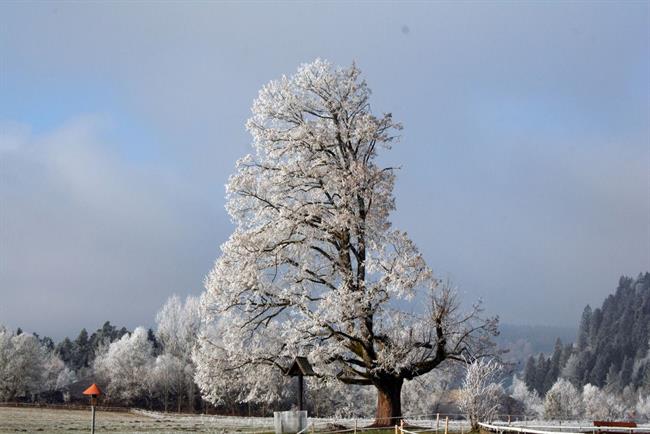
[{"x": 611, "y": 349}]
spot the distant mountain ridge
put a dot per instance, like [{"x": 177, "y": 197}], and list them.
[{"x": 541, "y": 337}]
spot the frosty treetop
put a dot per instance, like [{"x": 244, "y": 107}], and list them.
[{"x": 313, "y": 267}]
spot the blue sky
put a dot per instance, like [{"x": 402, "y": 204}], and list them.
[{"x": 525, "y": 158}]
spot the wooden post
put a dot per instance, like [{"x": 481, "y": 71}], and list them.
[
  {"x": 437, "y": 422},
  {"x": 446, "y": 424},
  {"x": 312, "y": 427},
  {"x": 355, "y": 426},
  {"x": 508, "y": 420},
  {"x": 92, "y": 427},
  {"x": 300, "y": 387},
  {"x": 396, "y": 429}
]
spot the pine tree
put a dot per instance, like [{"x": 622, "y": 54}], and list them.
[
  {"x": 530, "y": 373},
  {"x": 567, "y": 352},
  {"x": 540, "y": 377},
  {"x": 583, "y": 330},
  {"x": 613, "y": 380},
  {"x": 81, "y": 351},
  {"x": 65, "y": 350},
  {"x": 626, "y": 371},
  {"x": 553, "y": 371}
]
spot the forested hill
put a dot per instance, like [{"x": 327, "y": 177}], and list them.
[{"x": 611, "y": 349}]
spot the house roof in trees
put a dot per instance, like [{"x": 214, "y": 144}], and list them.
[{"x": 300, "y": 367}]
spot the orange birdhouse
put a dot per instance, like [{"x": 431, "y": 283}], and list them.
[{"x": 93, "y": 390}]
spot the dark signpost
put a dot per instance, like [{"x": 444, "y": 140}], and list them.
[
  {"x": 93, "y": 391},
  {"x": 300, "y": 368}
]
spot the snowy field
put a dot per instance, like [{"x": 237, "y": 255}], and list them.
[{"x": 57, "y": 421}]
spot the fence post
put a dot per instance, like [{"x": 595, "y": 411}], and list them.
[
  {"x": 508, "y": 420},
  {"x": 396, "y": 429},
  {"x": 355, "y": 426},
  {"x": 437, "y": 422},
  {"x": 446, "y": 424}
]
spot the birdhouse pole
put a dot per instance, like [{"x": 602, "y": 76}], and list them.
[
  {"x": 92, "y": 425},
  {"x": 300, "y": 392},
  {"x": 93, "y": 391},
  {"x": 300, "y": 368}
]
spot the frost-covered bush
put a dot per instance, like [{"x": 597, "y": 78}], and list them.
[
  {"x": 599, "y": 405},
  {"x": 481, "y": 394},
  {"x": 643, "y": 407},
  {"x": 563, "y": 401},
  {"x": 532, "y": 403}
]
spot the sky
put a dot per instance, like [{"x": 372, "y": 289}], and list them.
[{"x": 524, "y": 160}]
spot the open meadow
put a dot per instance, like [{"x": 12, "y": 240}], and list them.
[
  {"x": 58, "y": 421},
  {"x": 62, "y": 421}
]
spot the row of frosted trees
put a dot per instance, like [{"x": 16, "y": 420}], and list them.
[
  {"x": 143, "y": 367},
  {"x": 155, "y": 372},
  {"x": 483, "y": 398},
  {"x": 27, "y": 367},
  {"x": 564, "y": 401}
]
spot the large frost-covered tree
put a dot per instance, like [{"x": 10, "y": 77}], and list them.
[{"x": 313, "y": 267}]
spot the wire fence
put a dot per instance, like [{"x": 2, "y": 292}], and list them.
[
  {"x": 573, "y": 427},
  {"x": 63, "y": 406}
]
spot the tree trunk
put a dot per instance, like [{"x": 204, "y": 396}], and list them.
[{"x": 389, "y": 402}]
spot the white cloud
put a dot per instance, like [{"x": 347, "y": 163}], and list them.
[{"x": 88, "y": 235}]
